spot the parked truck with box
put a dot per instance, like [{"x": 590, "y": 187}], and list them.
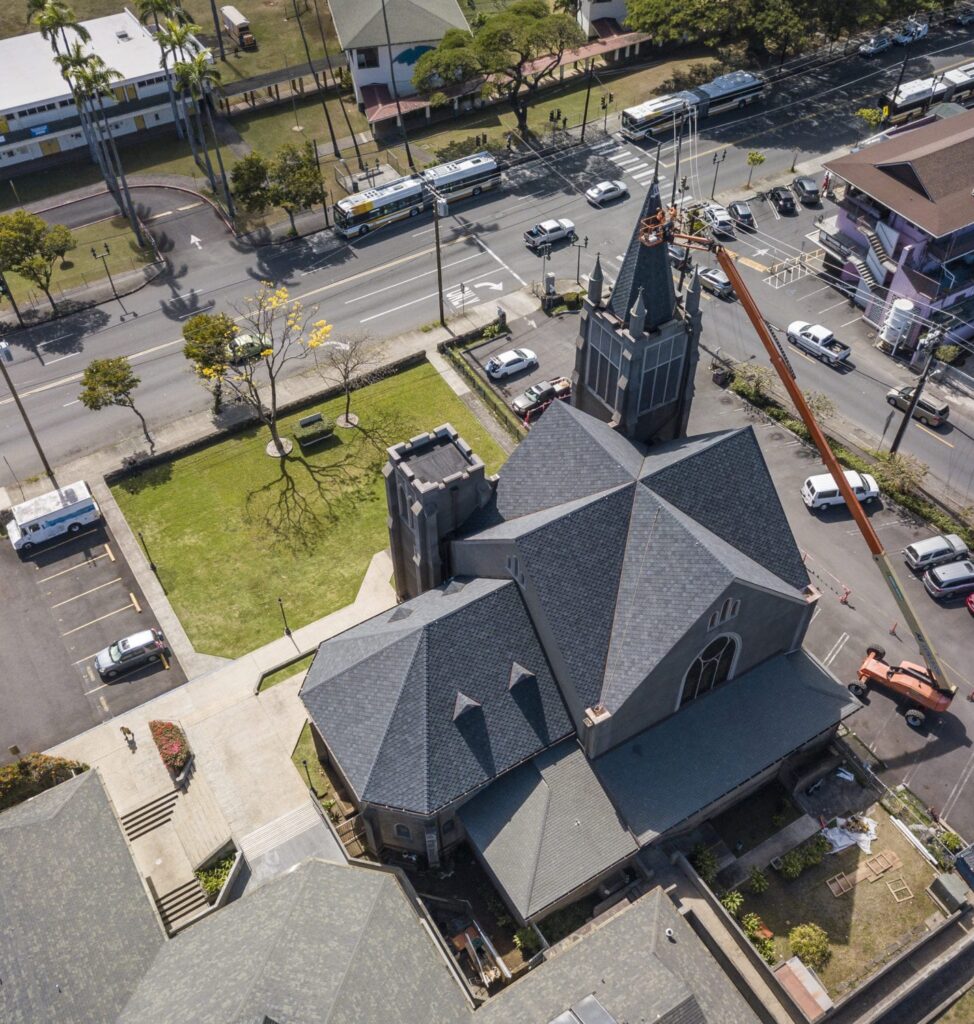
[
  {"x": 237, "y": 27},
  {"x": 66, "y": 510}
]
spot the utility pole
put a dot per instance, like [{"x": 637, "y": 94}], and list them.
[
  {"x": 103, "y": 256},
  {"x": 588, "y": 92},
  {"x": 440, "y": 209},
  {"x": 901, "y": 430},
  {"x": 321, "y": 95},
  {"x": 718, "y": 160},
  {"x": 395, "y": 90},
  {"x": 6, "y": 356},
  {"x": 331, "y": 71},
  {"x": 899, "y": 81},
  {"x": 579, "y": 246}
]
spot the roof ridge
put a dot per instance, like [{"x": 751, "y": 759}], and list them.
[
  {"x": 424, "y": 641},
  {"x": 541, "y": 835}
]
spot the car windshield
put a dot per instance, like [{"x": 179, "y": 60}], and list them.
[
  {"x": 115, "y": 652},
  {"x": 520, "y": 353}
]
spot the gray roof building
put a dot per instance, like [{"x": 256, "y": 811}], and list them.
[
  {"x": 77, "y": 928},
  {"x": 456, "y": 688},
  {"x": 546, "y": 828},
  {"x": 359, "y": 23}
]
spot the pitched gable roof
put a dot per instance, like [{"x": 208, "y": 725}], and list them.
[
  {"x": 647, "y": 268},
  {"x": 546, "y": 828},
  {"x": 359, "y": 23},
  {"x": 78, "y": 929},
  {"x": 428, "y": 713}
]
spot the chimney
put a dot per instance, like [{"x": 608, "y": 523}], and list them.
[
  {"x": 637, "y": 315},
  {"x": 595, "y": 281}
]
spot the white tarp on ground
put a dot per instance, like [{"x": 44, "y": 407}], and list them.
[{"x": 841, "y": 838}]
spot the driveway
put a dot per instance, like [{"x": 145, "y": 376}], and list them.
[{"x": 63, "y": 604}]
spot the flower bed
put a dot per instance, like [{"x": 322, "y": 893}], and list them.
[
  {"x": 213, "y": 878},
  {"x": 172, "y": 745}
]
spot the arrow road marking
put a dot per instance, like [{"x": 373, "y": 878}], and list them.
[
  {"x": 193, "y": 240},
  {"x": 494, "y": 286}
]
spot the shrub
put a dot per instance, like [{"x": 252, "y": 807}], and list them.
[
  {"x": 492, "y": 330},
  {"x": 751, "y": 924},
  {"x": 814, "y": 851},
  {"x": 766, "y": 948},
  {"x": 753, "y": 382},
  {"x": 32, "y": 774},
  {"x": 811, "y": 943},
  {"x": 792, "y": 864},
  {"x": 732, "y": 902},
  {"x": 704, "y": 863},
  {"x": 951, "y": 841},
  {"x": 947, "y": 353},
  {"x": 527, "y": 941},
  {"x": 757, "y": 881},
  {"x": 212, "y": 878},
  {"x": 172, "y": 744}
]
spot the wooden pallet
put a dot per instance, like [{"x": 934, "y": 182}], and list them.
[
  {"x": 840, "y": 884},
  {"x": 869, "y": 870},
  {"x": 900, "y": 890}
]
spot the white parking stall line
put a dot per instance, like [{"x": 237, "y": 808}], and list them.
[
  {"x": 101, "y": 586},
  {"x": 849, "y": 323},
  {"x": 836, "y": 648},
  {"x": 841, "y": 302}
]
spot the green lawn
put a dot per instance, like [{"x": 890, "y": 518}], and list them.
[
  {"x": 305, "y": 751},
  {"x": 962, "y": 1012},
  {"x": 288, "y": 672},
  {"x": 230, "y": 534},
  {"x": 80, "y": 267}
]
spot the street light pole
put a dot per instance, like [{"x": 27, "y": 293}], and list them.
[
  {"x": 718, "y": 160},
  {"x": 103, "y": 256},
  {"x": 6, "y": 356},
  {"x": 588, "y": 93},
  {"x": 287, "y": 628},
  {"x": 437, "y": 212},
  {"x": 579, "y": 246}
]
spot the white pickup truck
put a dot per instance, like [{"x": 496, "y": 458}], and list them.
[{"x": 818, "y": 341}]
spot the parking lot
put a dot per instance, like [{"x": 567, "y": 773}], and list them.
[{"x": 64, "y": 603}]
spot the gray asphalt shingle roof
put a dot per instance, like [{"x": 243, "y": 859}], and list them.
[
  {"x": 326, "y": 942},
  {"x": 359, "y": 23},
  {"x": 646, "y": 267},
  {"x": 546, "y": 828},
  {"x": 384, "y": 696},
  {"x": 77, "y": 930},
  {"x": 634, "y": 971},
  {"x": 668, "y": 772}
]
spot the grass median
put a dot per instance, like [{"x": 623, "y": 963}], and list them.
[{"x": 231, "y": 530}]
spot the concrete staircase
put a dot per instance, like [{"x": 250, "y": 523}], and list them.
[
  {"x": 150, "y": 815},
  {"x": 279, "y": 831},
  {"x": 864, "y": 272},
  {"x": 181, "y": 905},
  {"x": 885, "y": 259}
]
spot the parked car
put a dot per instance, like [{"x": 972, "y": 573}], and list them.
[
  {"x": 540, "y": 394},
  {"x": 717, "y": 219},
  {"x": 928, "y": 411},
  {"x": 243, "y": 348},
  {"x": 953, "y": 580},
  {"x": 740, "y": 214},
  {"x": 782, "y": 199},
  {"x": 912, "y": 32},
  {"x": 131, "y": 652},
  {"x": 806, "y": 189},
  {"x": 548, "y": 231},
  {"x": 606, "y": 191},
  {"x": 818, "y": 341},
  {"x": 875, "y": 45},
  {"x": 964, "y": 17},
  {"x": 679, "y": 256},
  {"x": 925, "y": 554},
  {"x": 513, "y": 361},
  {"x": 717, "y": 283},
  {"x": 822, "y": 491}
]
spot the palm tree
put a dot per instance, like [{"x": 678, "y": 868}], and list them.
[
  {"x": 176, "y": 39},
  {"x": 199, "y": 77},
  {"x": 74, "y": 60},
  {"x": 95, "y": 82},
  {"x": 167, "y": 9},
  {"x": 54, "y": 19}
]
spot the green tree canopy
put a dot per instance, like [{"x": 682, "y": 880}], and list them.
[
  {"x": 251, "y": 186},
  {"x": 32, "y": 774},
  {"x": 30, "y": 247},
  {"x": 295, "y": 183},
  {"x": 512, "y": 53},
  {"x": 107, "y": 382}
]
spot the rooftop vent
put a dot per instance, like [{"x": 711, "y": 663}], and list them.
[
  {"x": 122, "y": 34},
  {"x": 519, "y": 674},
  {"x": 463, "y": 703}
]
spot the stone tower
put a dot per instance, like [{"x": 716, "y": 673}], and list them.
[
  {"x": 636, "y": 353},
  {"x": 434, "y": 483}
]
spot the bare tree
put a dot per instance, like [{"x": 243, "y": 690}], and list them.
[{"x": 351, "y": 362}]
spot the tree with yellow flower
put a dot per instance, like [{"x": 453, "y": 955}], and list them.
[{"x": 248, "y": 355}]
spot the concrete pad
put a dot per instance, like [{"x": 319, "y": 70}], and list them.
[{"x": 458, "y": 385}]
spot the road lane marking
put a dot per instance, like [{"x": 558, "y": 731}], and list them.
[
  {"x": 159, "y": 216},
  {"x": 408, "y": 280},
  {"x": 85, "y": 625},
  {"x": 189, "y": 206},
  {"x": 753, "y": 264},
  {"x": 70, "y": 355},
  {"x": 835, "y": 649},
  {"x": 76, "y": 401},
  {"x": 101, "y": 586},
  {"x": 517, "y": 277},
  {"x": 97, "y": 688},
  {"x": 936, "y": 437}
]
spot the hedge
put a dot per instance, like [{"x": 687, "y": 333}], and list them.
[
  {"x": 33, "y": 774},
  {"x": 172, "y": 745}
]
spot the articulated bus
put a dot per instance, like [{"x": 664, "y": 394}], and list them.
[
  {"x": 915, "y": 97},
  {"x": 731, "y": 91},
  {"x": 358, "y": 214}
]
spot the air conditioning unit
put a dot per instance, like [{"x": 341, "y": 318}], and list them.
[{"x": 122, "y": 34}]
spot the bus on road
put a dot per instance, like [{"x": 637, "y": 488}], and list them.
[
  {"x": 914, "y": 98},
  {"x": 358, "y": 214},
  {"x": 727, "y": 92}
]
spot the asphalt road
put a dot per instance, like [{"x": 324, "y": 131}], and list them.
[{"x": 386, "y": 283}]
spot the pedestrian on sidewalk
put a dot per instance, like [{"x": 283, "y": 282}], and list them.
[{"x": 128, "y": 735}]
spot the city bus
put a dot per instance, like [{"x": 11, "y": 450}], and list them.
[
  {"x": 358, "y": 214},
  {"x": 918, "y": 95},
  {"x": 731, "y": 91}
]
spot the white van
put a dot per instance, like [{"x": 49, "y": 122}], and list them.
[
  {"x": 924, "y": 554},
  {"x": 822, "y": 491},
  {"x": 47, "y": 516}
]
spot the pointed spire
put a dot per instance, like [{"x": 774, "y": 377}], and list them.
[
  {"x": 637, "y": 315},
  {"x": 463, "y": 703},
  {"x": 595, "y": 281},
  {"x": 519, "y": 674}
]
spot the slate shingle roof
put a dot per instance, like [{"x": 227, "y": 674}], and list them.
[
  {"x": 325, "y": 942},
  {"x": 546, "y": 828},
  {"x": 633, "y": 970},
  {"x": 646, "y": 267},
  {"x": 77, "y": 930},
  {"x": 383, "y": 695},
  {"x": 666, "y": 773}
]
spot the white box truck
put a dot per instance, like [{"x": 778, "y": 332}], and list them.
[
  {"x": 237, "y": 27},
  {"x": 42, "y": 518}
]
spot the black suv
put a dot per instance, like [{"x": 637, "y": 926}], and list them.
[
  {"x": 782, "y": 199},
  {"x": 806, "y": 189},
  {"x": 740, "y": 214}
]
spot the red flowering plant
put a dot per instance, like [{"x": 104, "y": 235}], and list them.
[{"x": 172, "y": 745}]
